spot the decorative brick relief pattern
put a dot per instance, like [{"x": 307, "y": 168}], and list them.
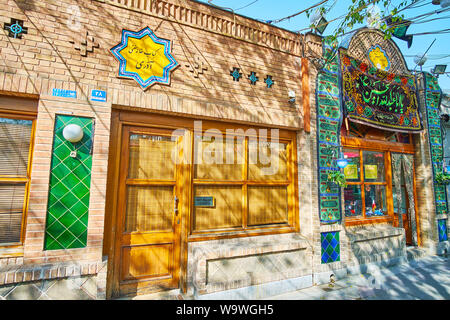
[
  {"x": 234, "y": 263},
  {"x": 375, "y": 243},
  {"x": 77, "y": 281},
  {"x": 203, "y": 17}
]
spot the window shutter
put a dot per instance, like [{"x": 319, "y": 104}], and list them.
[
  {"x": 11, "y": 210},
  {"x": 15, "y": 138}
]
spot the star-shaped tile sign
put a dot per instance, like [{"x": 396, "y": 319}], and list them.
[{"x": 144, "y": 57}]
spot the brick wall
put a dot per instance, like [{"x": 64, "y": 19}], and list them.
[
  {"x": 45, "y": 58},
  {"x": 52, "y": 55}
]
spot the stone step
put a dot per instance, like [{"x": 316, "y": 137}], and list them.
[
  {"x": 175, "y": 294},
  {"x": 413, "y": 253}
]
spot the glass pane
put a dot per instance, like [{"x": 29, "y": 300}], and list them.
[
  {"x": 11, "y": 209},
  {"x": 15, "y": 136},
  {"x": 375, "y": 198},
  {"x": 267, "y": 205},
  {"x": 218, "y": 159},
  {"x": 149, "y": 209},
  {"x": 225, "y": 211},
  {"x": 373, "y": 166},
  {"x": 403, "y": 200},
  {"x": 353, "y": 168},
  {"x": 399, "y": 137},
  {"x": 353, "y": 201},
  {"x": 151, "y": 157},
  {"x": 267, "y": 160}
]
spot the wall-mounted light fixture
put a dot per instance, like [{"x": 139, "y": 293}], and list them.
[
  {"x": 318, "y": 21},
  {"x": 291, "y": 95},
  {"x": 73, "y": 133},
  {"x": 342, "y": 162},
  {"x": 439, "y": 69}
]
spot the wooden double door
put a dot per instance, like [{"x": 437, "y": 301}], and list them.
[{"x": 150, "y": 202}]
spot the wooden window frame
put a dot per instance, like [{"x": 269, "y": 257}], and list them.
[
  {"x": 245, "y": 230},
  {"x": 387, "y": 147},
  {"x": 122, "y": 117},
  {"x": 12, "y": 179}
]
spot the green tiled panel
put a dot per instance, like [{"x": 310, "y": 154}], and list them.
[
  {"x": 328, "y": 134},
  {"x": 69, "y": 191}
]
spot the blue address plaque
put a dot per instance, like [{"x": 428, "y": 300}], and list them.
[
  {"x": 98, "y": 95},
  {"x": 205, "y": 202},
  {"x": 64, "y": 93}
]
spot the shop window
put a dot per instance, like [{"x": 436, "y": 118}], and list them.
[
  {"x": 245, "y": 184},
  {"x": 366, "y": 194},
  {"x": 15, "y": 162}
]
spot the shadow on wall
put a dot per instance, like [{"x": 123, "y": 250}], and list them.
[{"x": 226, "y": 92}]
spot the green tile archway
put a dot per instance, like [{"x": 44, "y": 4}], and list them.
[{"x": 69, "y": 189}]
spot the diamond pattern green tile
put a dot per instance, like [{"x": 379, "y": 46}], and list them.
[{"x": 69, "y": 192}]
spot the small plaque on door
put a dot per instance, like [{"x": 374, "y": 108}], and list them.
[{"x": 205, "y": 202}]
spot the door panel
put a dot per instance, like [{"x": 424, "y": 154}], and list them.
[
  {"x": 142, "y": 262},
  {"x": 148, "y": 238},
  {"x": 149, "y": 209}
]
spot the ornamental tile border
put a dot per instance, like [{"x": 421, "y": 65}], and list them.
[
  {"x": 329, "y": 120},
  {"x": 433, "y": 95}
]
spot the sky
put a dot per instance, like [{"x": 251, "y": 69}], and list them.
[{"x": 439, "y": 53}]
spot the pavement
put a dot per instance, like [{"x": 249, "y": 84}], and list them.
[
  {"x": 427, "y": 278},
  {"x": 421, "y": 278}
]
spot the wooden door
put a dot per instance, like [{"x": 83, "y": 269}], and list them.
[{"x": 147, "y": 241}]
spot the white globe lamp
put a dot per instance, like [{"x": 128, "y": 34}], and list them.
[{"x": 73, "y": 133}]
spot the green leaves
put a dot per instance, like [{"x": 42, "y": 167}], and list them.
[
  {"x": 358, "y": 11},
  {"x": 337, "y": 177},
  {"x": 442, "y": 178}
]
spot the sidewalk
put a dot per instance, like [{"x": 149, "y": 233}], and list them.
[{"x": 427, "y": 278}]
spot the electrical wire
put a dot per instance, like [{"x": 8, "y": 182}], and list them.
[
  {"x": 431, "y": 57},
  {"x": 413, "y": 20},
  {"x": 248, "y": 5},
  {"x": 431, "y": 32},
  {"x": 296, "y": 14},
  {"x": 340, "y": 17},
  {"x": 414, "y": 5},
  {"x": 396, "y": 25}
]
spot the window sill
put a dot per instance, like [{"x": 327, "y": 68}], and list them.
[
  {"x": 365, "y": 221},
  {"x": 239, "y": 234},
  {"x": 11, "y": 252}
]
